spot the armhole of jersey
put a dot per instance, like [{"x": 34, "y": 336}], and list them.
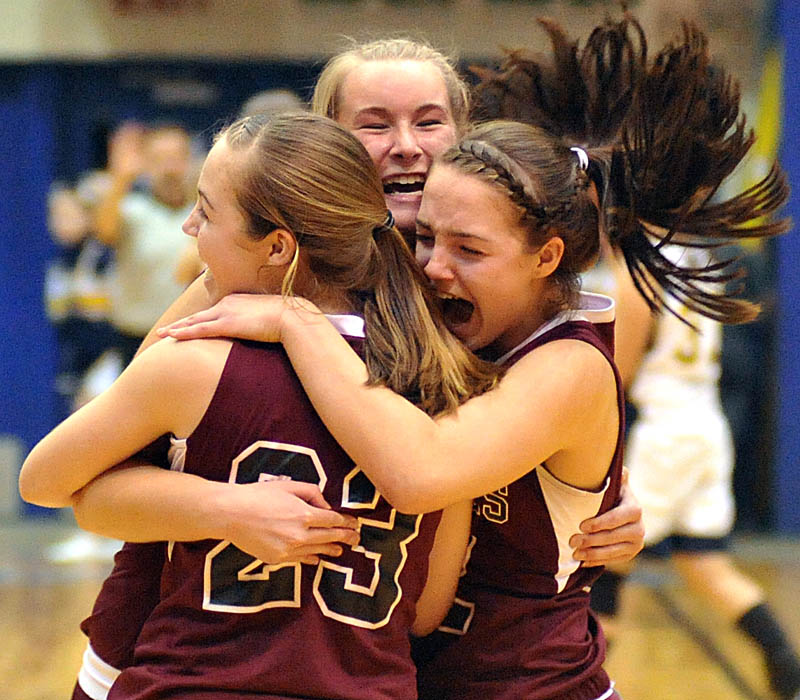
[{"x": 220, "y": 379}]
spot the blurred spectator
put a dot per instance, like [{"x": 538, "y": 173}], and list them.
[
  {"x": 144, "y": 227},
  {"x": 76, "y": 288}
]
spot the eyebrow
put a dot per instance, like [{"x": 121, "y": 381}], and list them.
[
  {"x": 384, "y": 112},
  {"x": 202, "y": 196},
  {"x": 452, "y": 234}
]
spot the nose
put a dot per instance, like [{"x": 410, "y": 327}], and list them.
[
  {"x": 189, "y": 226},
  {"x": 437, "y": 266},
  {"x": 405, "y": 145}
]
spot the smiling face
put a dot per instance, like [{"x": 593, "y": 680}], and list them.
[
  {"x": 236, "y": 262},
  {"x": 472, "y": 247},
  {"x": 400, "y": 111}
]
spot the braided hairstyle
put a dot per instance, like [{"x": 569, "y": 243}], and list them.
[
  {"x": 543, "y": 179},
  {"x": 661, "y": 135}
]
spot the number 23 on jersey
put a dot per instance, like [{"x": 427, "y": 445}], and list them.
[{"x": 236, "y": 582}]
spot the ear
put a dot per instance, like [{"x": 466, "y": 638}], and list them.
[
  {"x": 549, "y": 256},
  {"x": 280, "y": 246}
]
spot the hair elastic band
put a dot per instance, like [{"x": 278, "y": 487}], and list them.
[
  {"x": 583, "y": 157},
  {"x": 387, "y": 225}
]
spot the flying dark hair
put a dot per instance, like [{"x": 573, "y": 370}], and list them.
[
  {"x": 581, "y": 95},
  {"x": 682, "y": 139},
  {"x": 661, "y": 135}
]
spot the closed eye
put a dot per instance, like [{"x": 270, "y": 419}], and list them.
[{"x": 470, "y": 251}]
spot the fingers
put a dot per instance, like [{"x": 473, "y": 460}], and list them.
[
  {"x": 203, "y": 324},
  {"x": 623, "y": 515},
  {"x": 310, "y": 554},
  {"x": 209, "y": 329},
  {"x": 610, "y": 546},
  {"x": 308, "y": 492},
  {"x": 328, "y": 535},
  {"x": 329, "y": 519},
  {"x": 605, "y": 556},
  {"x": 250, "y": 316},
  {"x": 624, "y": 535},
  {"x": 318, "y": 550},
  {"x": 320, "y": 513},
  {"x": 306, "y": 547}
]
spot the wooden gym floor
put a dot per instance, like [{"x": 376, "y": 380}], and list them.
[{"x": 668, "y": 647}]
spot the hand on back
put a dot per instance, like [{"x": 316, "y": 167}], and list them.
[{"x": 286, "y": 521}]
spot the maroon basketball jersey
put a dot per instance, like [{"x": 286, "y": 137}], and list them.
[
  {"x": 227, "y": 625},
  {"x": 521, "y": 625}
]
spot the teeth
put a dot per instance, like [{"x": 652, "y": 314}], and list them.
[
  {"x": 404, "y": 179},
  {"x": 445, "y": 295}
]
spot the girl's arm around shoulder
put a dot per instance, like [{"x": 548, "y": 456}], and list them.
[
  {"x": 166, "y": 389},
  {"x": 543, "y": 405},
  {"x": 271, "y": 319}
]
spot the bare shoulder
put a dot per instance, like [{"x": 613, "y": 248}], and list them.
[
  {"x": 185, "y": 358},
  {"x": 184, "y": 373},
  {"x": 586, "y": 399},
  {"x": 570, "y": 362}
]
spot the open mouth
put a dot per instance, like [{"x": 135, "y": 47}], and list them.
[
  {"x": 455, "y": 310},
  {"x": 403, "y": 184}
]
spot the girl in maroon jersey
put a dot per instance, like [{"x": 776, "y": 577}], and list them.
[
  {"x": 407, "y": 104},
  {"x": 285, "y": 204},
  {"x": 509, "y": 216}
]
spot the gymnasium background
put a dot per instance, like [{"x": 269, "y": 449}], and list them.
[{"x": 71, "y": 70}]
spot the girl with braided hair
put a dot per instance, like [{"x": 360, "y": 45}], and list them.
[
  {"x": 679, "y": 449},
  {"x": 509, "y": 218}
]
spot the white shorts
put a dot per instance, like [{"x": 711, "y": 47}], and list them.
[{"x": 681, "y": 477}]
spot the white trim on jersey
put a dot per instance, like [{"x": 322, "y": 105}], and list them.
[
  {"x": 567, "y": 505},
  {"x": 177, "y": 458},
  {"x": 176, "y": 453},
  {"x": 347, "y": 324},
  {"x": 608, "y": 693},
  {"x": 96, "y": 676},
  {"x": 594, "y": 308}
]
